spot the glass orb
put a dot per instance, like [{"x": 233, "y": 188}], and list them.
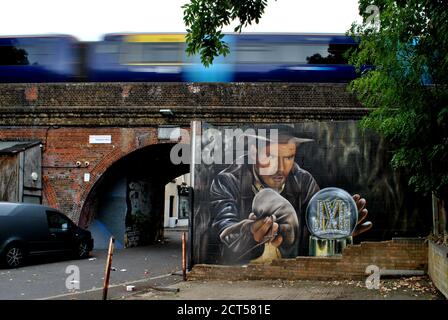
[{"x": 331, "y": 214}]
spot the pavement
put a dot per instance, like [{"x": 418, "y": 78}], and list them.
[
  {"x": 153, "y": 273},
  {"x": 410, "y": 288},
  {"x": 47, "y": 277}
]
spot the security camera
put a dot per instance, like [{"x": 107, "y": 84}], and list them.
[
  {"x": 86, "y": 163},
  {"x": 78, "y": 163}
]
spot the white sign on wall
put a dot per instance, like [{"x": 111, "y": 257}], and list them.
[
  {"x": 169, "y": 133},
  {"x": 100, "y": 139}
]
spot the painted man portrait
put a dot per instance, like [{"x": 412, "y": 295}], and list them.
[{"x": 245, "y": 222}]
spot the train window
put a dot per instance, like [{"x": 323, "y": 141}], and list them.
[
  {"x": 13, "y": 56},
  {"x": 253, "y": 53},
  {"x": 106, "y": 48},
  {"x": 292, "y": 53},
  {"x": 307, "y": 51},
  {"x": 162, "y": 52},
  {"x": 154, "y": 52},
  {"x": 131, "y": 53},
  {"x": 41, "y": 53},
  {"x": 335, "y": 54},
  {"x": 277, "y": 53}
]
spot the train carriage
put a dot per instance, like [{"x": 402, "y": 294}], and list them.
[
  {"x": 162, "y": 58},
  {"x": 252, "y": 58},
  {"x": 39, "y": 59}
]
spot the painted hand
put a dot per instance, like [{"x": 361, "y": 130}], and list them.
[
  {"x": 362, "y": 215},
  {"x": 263, "y": 229}
]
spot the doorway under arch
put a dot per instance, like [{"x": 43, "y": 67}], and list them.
[{"x": 127, "y": 202}]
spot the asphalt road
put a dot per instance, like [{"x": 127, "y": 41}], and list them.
[{"x": 46, "y": 278}]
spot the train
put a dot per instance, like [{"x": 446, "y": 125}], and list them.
[{"x": 161, "y": 57}]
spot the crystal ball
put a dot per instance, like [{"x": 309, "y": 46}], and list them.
[{"x": 331, "y": 214}]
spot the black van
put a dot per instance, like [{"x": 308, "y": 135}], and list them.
[{"x": 32, "y": 229}]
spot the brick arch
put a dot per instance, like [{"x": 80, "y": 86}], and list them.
[
  {"x": 100, "y": 168},
  {"x": 96, "y": 173}
]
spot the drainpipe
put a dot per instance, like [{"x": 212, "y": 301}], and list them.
[
  {"x": 435, "y": 215},
  {"x": 194, "y": 131}
]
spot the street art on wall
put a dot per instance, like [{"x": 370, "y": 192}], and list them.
[
  {"x": 331, "y": 214},
  {"x": 253, "y": 208},
  {"x": 138, "y": 217}
]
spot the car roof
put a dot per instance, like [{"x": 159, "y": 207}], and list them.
[{"x": 13, "y": 208}]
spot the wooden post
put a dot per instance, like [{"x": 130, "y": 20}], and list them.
[
  {"x": 108, "y": 265},
  {"x": 184, "y": 256}
]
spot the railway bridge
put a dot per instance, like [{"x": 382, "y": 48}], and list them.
[{"x": 90, "y": 148}]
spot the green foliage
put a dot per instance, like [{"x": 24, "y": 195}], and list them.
[
  {"x": 408, "y": 89},
  {"x": 206, "y": 18}
]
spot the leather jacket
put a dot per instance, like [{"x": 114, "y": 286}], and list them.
[{"x": 231, "y": 196}]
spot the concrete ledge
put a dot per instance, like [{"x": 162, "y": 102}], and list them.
[
  {"x": 438, "y": 266},
  {"x": 398, "y": 255},
  {"x": 149, "y": 115}
]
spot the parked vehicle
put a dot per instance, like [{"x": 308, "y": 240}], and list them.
[{"x": 31, "y": 229}]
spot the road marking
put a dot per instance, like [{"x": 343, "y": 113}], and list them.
[{"x": 111, "y": 286}]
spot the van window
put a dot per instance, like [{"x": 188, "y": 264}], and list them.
[
  {"x": 7, "y": 208},
  {"x": 57, "y": 221}
]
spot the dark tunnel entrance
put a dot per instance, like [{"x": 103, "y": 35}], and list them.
[{"x": 128, "y": 201}]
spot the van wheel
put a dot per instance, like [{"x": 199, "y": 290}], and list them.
[
  {"x": 14, "y": 256},
  {"x": 82, "y": 250}
]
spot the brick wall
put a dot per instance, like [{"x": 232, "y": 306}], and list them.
[
  {"x": 62, "y": 116},
  {"x": 138, "y": 104},
  {"x": 438, "y": 266},
  {"x": 63, "y": 181},
  {"x": 177, "y": 94},
  {"x": 397, "y": 254}
]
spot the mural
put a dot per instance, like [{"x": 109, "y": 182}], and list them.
[
  {"x": 253, "y": 208},
  {"x": 138, "y": 216}
]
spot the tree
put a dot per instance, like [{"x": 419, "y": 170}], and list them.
[
  {"x": 408, "y": 88},
  {"x": 206, "y": 18}
]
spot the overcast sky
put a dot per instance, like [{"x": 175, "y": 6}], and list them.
[{"x": 90, "y": 19}]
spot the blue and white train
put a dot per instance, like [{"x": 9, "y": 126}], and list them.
[{"x": 162, "y": 58}]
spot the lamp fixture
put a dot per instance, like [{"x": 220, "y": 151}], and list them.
[{"x": 166, "y": 112}]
